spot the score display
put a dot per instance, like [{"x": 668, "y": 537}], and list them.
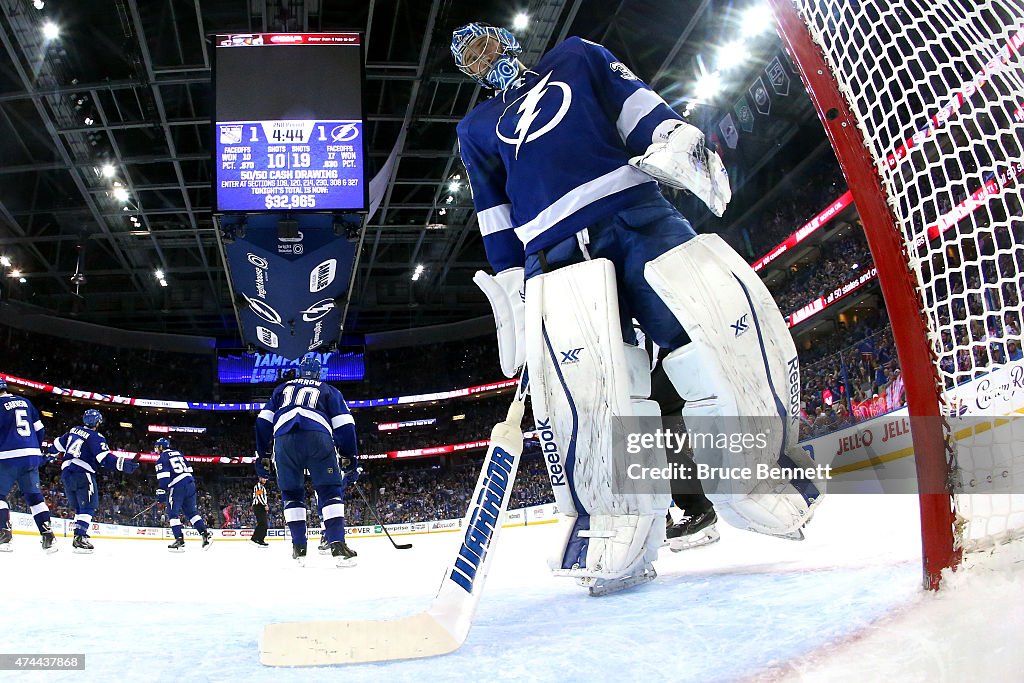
[{"x": 289, "y": 122}]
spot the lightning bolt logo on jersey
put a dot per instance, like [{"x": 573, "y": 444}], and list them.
[
  {"x": 526, "y": 110},
  {"x": 549, "y": 154}
]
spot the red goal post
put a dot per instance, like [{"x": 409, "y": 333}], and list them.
[{"x": 922, "y": 102}]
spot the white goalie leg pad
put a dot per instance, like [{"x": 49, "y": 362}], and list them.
[
  {"x": 579, "y": 383},
  {"x": 740, "y": 368}
]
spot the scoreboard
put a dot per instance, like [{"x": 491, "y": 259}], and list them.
[{"x": 289, "y": 122}]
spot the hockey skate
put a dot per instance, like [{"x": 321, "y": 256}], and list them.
[
  {"x": 178, "y": 546},
  {"x": 207, "y": 540},
  {"x": 47, "y": 542},
  {"x": 692, "y": 531},
  {"x": 5, "y": 540},
  {"x": 324, "y": 546},
  {"x": 82, "y": 546},
  {"x": 644, "y": 573},
  {"x": 299, "y": 554},
  {"x": 345, "y": 556},
  {"x": 261, "y": 544}
]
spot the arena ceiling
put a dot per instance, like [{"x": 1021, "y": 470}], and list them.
[{"x": 127, "y": 83}]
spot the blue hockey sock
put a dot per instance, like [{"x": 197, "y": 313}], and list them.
[
  {"x": 298, "y": 532},
  {"x": 176, "y": 529},
  {"x": 198, "y": 524},
  {"x": 335, "y": 529},
  {"x": 81, "y": 527}
]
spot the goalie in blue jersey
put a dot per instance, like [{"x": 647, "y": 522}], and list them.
[
  {"x": 21, "y": 438},
  {"x": 564, "y": 162},
  {"x": 83, "y": 450},
  {"x": 310, "y": 426}
]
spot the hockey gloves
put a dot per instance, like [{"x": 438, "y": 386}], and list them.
[
  {"x": 126, "y": 465},
  {"x": 682, "y": 161},
  {"x": 161, "y": 495}
]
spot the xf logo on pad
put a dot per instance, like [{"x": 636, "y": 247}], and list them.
[
  {"x": 571, "y": 356},
  {"x": 740, "y": 326}
]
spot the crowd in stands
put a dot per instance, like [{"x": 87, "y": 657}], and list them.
[
  {"x": 105, "y": 369},
  {"x": 408, "y": 493},
  {"x": 802, "y": 196},
  {"x": 838, "y": 261}
]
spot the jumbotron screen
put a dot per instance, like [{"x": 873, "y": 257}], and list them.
[
  {"x": 289, "y": 122},
  {"x": 269, "y": 368}
]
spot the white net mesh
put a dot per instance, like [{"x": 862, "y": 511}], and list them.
[{"x": 937, "y": 90}]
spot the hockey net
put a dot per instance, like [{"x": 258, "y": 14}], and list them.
[{"x": 924, "y": 103}]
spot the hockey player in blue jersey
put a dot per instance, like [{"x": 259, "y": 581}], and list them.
[
  {"x": 176, "y": 487},
  {"x": 564, "y": 164},
  {"x": 310, "y": 426},
  {"x": 82, "y": 451},
  {"x": 21, "y": 438}
]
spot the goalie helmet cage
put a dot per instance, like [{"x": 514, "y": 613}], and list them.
[{"x": 923, "y": 101}]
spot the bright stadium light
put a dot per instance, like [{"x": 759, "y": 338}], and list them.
[
  {"x": 521, "y": 21},
  {"x": 416, "y": 273},
  {"x": 15, "y": 273},
  {"x": 454, "y": 186},
  {"x": 38, "y": 4},
  {"x": 732, "y": 54},
  {"x": 756, "y": 20},
  {"x": 51, "y": 31},
  {"x": 108, "y": 170},
  {"x": 708, "y": 85},
  {"x": 121, "y": 194},
  {"x": 5, "y": 262},
  {"x": 159, "y": 274}
]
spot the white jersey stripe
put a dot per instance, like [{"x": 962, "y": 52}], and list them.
[
  {"x": 494, "y": 219},
  {"x": 339, "y": 420},
  {"x": 304, "y": 412},
  {"x": 565, "y": 206},
  {"x": 638, "y": 105}
]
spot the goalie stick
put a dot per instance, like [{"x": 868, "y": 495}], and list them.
[{"x": 442, "y": 627}]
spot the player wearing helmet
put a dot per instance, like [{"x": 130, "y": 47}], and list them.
[
  {"x": 309, "y": 425},
  {"x": 21, "y": 437},
  {"x": 564, "y": 163},
  {"x": 83, "y": 450}
]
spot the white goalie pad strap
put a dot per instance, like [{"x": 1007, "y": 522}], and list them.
[
  {"x": 740, "y": 365},
  {"x": 682, "y": 161},
  {"x": 639, "y": 365},
  {"x": 506, "y": 294},
  {"x": 580, "y": 381}
]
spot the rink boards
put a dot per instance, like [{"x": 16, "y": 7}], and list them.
[{"x": 23, "y": 523}]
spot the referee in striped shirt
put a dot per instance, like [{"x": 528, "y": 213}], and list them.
[{"x": 259, "y": 508}]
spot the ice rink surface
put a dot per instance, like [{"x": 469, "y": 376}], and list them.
[{"x": 844, "y": 605}]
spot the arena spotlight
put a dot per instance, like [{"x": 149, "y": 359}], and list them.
[
  {"x": 757, "y": 19},
  {"x": 5, "y": 262},
  {"x": 108, "y": 170},
  {"x": 731, "y": 54},
  {"x": 454, "y": 186},
  {"x": 51, "y": 31},
  {"x": 708, "y": 85},
  {"x": 121, "y": 194},
  {"x": 159, "y": 274},
  {"x": 416, "y": 273},
  {"x": 38, "y": 4},
  {"x": 521, "y": 21}
]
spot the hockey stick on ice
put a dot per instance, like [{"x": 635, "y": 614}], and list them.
[
  {"x": 442, "y": 627},
  {"x": 376, "y": 517}
]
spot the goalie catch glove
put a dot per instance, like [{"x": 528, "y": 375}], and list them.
[
  {"x": 682, "y": 161},
  {"x": 506, "y": 292}
]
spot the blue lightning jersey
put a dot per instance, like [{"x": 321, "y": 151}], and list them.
[
  {"x": 21, "y": 431},
  {"x": 549, "y": 155},
  {"x": 84, "y": 449},
  {"x": 307, "y": 404},
  {"x": 172, "y": 469}
]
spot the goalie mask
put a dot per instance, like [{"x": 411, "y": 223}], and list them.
[{"x": 487, "y": 54}]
